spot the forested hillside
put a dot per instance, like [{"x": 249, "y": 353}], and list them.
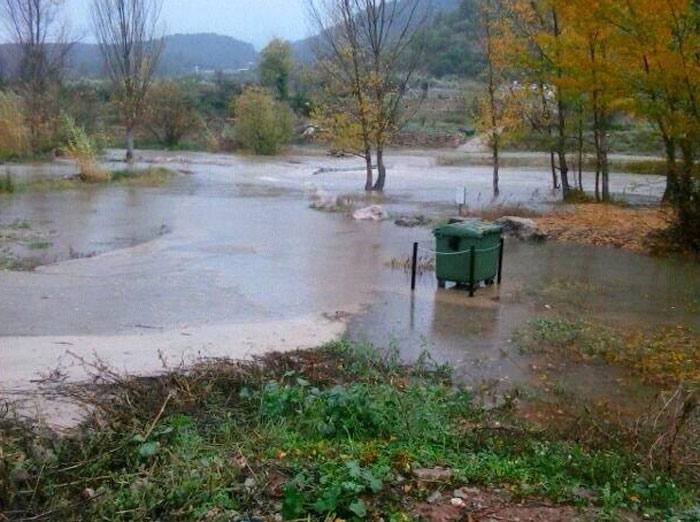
[{"x": 450, "y": 42}]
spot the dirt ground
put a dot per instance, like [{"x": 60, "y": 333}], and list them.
[
  {"x": 488, "y": 505},
  {"x": 606, "y": 225}
]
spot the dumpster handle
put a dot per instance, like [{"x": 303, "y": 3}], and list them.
[{"x": 463, "y": 252}]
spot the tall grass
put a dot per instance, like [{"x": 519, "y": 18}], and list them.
[
  {"x": 83, "y": 150},
  {"x": 14, "y": 135}
]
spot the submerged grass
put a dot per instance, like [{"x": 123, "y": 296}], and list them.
[
  {"x": 667, "y": 357},
  {"x": 149, "y": 177},
  {"x": 665, "y": 430},
  {"x": 334, "y": 432}
]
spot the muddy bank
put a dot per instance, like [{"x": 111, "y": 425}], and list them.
[{"x": 34, "y": 366}]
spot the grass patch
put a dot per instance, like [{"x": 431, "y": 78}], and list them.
[
  {"x": 333, "y": 432},
  {"x": 667, "y": 357},
  {"x": 20, "y": 224},
  {"x": 7, "y": 186},
  {"x": 152, "y": 176},
  {"x": 39, "y": 245},
  {"x": 149, "y": 177}
]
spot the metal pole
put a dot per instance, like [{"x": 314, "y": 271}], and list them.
[
  {"x": 500, "y": 261},
  {"x": 414, "y": 266},
  {"x": 472, "y": 268}
]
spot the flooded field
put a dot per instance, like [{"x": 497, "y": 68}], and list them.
[{"x": 227, "y": 258}]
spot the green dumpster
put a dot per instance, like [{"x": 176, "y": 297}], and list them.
[{"x": 456, "y": 243}]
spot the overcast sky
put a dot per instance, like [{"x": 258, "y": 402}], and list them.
[{"x": 254, "y": 21}]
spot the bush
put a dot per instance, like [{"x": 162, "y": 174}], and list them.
[
  {"x": 14, "y": 135},
  {"x": 262, "y": 124},
  {"x": 81, "y": 148},
  {"x": 171, "y": 113}
]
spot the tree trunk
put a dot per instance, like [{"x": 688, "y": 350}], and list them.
[
  {"x": 672, "y": 184},
  {"x": 580, "y": 152},
  {"x": 370, "y": 175},
  {"x": 561, "y": 120},
  {"x": 561, "y": 150},
  {"x": 604, "y": 165},
  {"x": 381, "y": 170},
  {"x": 687, "y": 203},
  {"x": 597, "y": 142},
  {"x": 129, "y": 135},
  {"x": 553, "y": 164},
  {"x": 496, "y": 166}
]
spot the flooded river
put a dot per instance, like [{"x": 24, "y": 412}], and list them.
[{"x": 227, "y": 258}]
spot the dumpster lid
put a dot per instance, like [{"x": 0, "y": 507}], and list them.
[{"x": 471, "y": 229}]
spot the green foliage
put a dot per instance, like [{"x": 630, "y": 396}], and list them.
[
  {"x": 450, "y": 44},
  {"x": 171, "y": 112},
  {"x": 262, "y": 124},
  {"x": 275, "y": 67},
  {"x": 335, "y": 429}
]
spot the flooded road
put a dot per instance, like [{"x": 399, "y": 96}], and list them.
[{"x": 228, "y": 259}]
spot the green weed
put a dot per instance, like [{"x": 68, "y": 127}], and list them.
[
  {"x": 332, "y": 432},
  {"x": 39, "y": 245}
]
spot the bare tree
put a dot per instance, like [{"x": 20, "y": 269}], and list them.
[
  {"x": 131, "y": 42},
  {"x": 368, "y": 46},
  {"x": 40, "y": 49},
  {"x": 340, "y": 56}
]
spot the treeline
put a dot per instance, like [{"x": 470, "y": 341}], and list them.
[{"x": 569, "y": 69}]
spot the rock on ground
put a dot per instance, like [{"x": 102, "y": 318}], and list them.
[
  {"x": 411, "y": 221},
  {"x": 432, "y": 474},
  {"x": 521, "y": 228},
  {"x": 371, "y": 213}
]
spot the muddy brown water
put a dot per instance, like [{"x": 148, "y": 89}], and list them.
[{"x": 232, "y": 242}]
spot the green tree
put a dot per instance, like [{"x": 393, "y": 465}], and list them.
[
  {"x": 275, "y": 67},
  {"x": 262, "y": 124},
  {"x": 171, "y": 113}
]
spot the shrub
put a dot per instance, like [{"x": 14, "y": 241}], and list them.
[
  {"x": 14, "y": 135},
  {"x": 262, "y": 124},
  {"x": 171, "y": 113},
  {"x": 81, "y": 148}
]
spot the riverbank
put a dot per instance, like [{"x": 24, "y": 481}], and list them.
[{"x": 341, "y": 432}]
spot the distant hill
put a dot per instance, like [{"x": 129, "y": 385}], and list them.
[
  {"x": 183, "y": 54},
  {"x": 304, "y": 49},
  {"x": 206, "y": 51}
]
